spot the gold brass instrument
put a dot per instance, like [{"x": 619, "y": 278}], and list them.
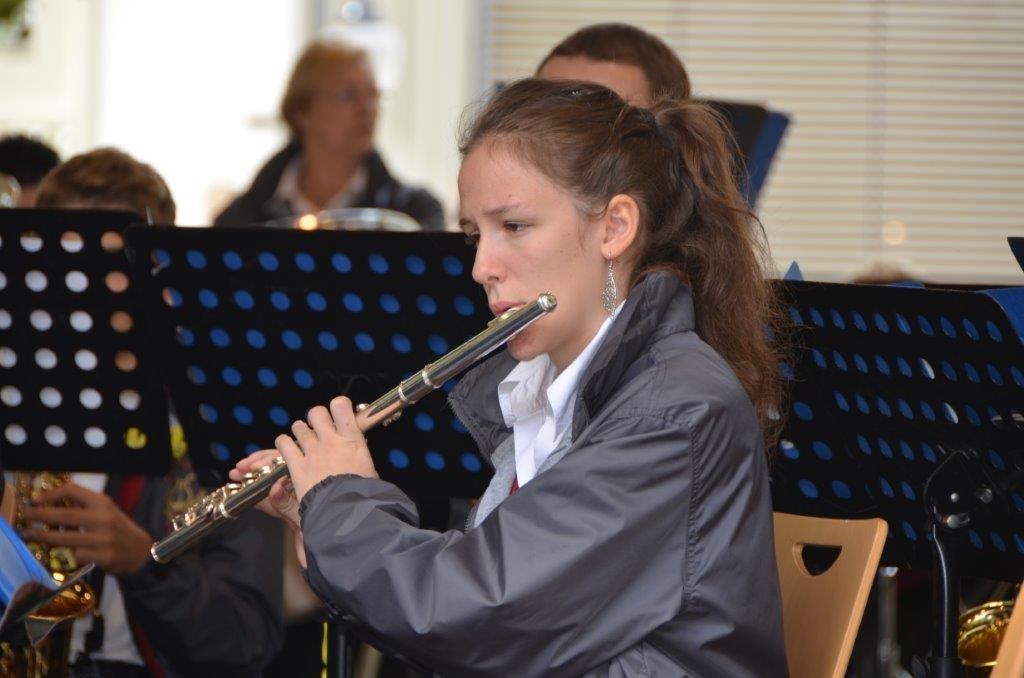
[
  {"x": 981, "y": 633},
  {"x": 59, "y": 560},
  {"x": 226, "y": 502},
  {"x": 48, "y": 657}
]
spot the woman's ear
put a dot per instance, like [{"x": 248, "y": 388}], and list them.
[{"x": 621, "y": 225}]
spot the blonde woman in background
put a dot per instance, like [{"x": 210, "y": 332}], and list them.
[{"x": 330, "y": 107}]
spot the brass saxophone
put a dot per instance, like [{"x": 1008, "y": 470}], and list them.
[
  {"x": 981, "y": 632},
  {"x": 48, "y": 657},
  {"x": 226, "y": 502}
]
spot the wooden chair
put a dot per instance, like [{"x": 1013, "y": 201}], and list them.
[
  {"x": 821, "y": 613},
  {"x": 1010, "y": 660}
]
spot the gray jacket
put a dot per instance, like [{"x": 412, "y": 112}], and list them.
[{"x": 644, "y": 550}]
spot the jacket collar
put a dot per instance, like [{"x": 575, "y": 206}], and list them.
[
  {"x": 658, "y": 305},
  {"x": 264, "y": 185}
]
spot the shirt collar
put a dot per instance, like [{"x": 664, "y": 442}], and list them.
[
  {"x": 289, "y": 191},
  {"x": 532, "y": 386},
  {"x": 521, "y": 393}
]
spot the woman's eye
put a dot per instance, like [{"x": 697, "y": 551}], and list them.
[
  {"x": 472, "y": 239},
  {"x": 515, "y": 226}
]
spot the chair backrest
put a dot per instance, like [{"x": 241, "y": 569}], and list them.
[
  {"x": 821, "y": 612},
  {"x": 1010, "y": 660}
]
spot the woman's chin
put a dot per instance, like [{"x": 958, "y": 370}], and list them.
[{"x": 522, "y": 348}]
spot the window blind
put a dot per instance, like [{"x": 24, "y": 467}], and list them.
[{"x": 906, "y": 140}]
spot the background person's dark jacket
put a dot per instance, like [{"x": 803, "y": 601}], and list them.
[
  {"x": 259, "y": 204},
  {"x": 215, "y": 610}
]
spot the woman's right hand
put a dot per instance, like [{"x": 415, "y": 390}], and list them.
[{"x": 281, "y": 502}]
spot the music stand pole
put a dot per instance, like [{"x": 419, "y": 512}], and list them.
[{"x": 947, "y": 520}]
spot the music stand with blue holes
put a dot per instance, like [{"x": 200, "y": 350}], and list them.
[
  {"x": 256, "y": 326},
  {"x": 76, "y": 381},
  {"x": 907, "y": 404}
]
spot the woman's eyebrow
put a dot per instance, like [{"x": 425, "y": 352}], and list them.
[
  {"x": 501, "y": 209},
  {"x": 496, "y": 211}
]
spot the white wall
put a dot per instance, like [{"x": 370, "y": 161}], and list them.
[
  {"x": 191, "y": 87},
  {"x": 419, "y": 122},
  {"x": 47, "y": 85}
]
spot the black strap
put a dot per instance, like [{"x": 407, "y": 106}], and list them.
[
  {"x": 94, "y": 637},
  {"x": 100, "y": 668}
]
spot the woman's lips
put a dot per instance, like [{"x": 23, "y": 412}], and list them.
[{"x": 503, "y": 306}]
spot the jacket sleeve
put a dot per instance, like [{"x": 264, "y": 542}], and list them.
[
  {"x": 422, "y": 206},
  {"x": 580, "y": 564},
  {"x": 233, "y": 215},
  {"x": 215, "y": 610}
]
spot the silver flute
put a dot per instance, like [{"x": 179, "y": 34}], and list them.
[{"x": 228, "y": 501}]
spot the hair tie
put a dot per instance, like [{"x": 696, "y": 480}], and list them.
[{"x": 663, "y": 137}]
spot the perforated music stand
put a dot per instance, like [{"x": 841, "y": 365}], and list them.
[
  {"x": 78, "y": 389},
  {"x": 907, "y": 404},
  {"x": 256, "y": 326},
  {"x": 757, "y": 133},
  {"x": 1017, "y": 247}
]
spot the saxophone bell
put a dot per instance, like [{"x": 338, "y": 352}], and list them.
[
  {"x": 980, "y": 635},
  {"x": 47, "y": 612}
]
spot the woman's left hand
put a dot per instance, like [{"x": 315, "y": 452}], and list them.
[
  {"x": 330, "y": 444},
  {"x": 93, "y": 526}
]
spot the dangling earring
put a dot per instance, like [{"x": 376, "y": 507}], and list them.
[{"x": 610, "y": 295}]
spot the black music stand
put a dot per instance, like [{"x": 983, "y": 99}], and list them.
[
  {"x": 1017, "y": 247},
  {"x": 907, "y": 405},
  {"x": 757, "y": 133},
  {"x": 78, "y": 388},
  {"x": 255, "y": 326}
]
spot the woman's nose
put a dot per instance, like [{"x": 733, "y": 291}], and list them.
[{"x": 487, "y": 267}]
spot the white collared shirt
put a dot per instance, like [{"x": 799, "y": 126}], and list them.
[
  {"x": 118, "y": 643},
  {"x": 537, "y": 403},
  {"x": 288, "y": 189}
]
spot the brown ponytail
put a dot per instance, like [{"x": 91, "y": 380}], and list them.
[
  {"x": 719, "y": 247},
  {"x": 674, "y": 160}
]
